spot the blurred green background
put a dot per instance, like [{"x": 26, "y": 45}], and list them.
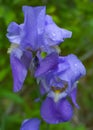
[{"x": 74, "y": 15}]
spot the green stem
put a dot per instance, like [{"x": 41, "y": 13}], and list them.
[
  {"x": 3, "y": 122},
  {"x": 47, "y": 126},
  {"x": 40, "y": 96}
]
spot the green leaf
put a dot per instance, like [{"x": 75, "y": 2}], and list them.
[{"x": 12, "y": 96}]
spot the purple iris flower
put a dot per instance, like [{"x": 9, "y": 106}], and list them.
[
  {"x": 37, "y": 33},
  {"x": 38, "y": 30},
  {"x": 56, "y": 108},
  {"x": 69, "y": 69},
  {"x": 59, "y": 83},
  {"x": 30, "y": 124}
]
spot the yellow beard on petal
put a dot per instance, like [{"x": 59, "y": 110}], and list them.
[
  {"x": 12, "y": 46},
  {"x": 56, "y": 98},
  {"x": 57, "y": 91}
]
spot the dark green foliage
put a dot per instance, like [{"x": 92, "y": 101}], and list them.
[{"x": 74, "y": 15}]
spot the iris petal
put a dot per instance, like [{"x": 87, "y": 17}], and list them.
[
  {"x": 30, "y": 124},
  {"x": 19, "y": 69},
  {"x": 73, "y": 96},
  {"x": 76, "y": 65},
  {"x": 55, "y": 113},
  {"x": 14, "y": 32},
  {"x": 48, "y": 111},
  {"x": 54, "y": 34},
  {"x": 75, "y": 71},
  {"x": 33, "y": 26},
  {"x": 48, "y": 63},
  {"x": 65, "y": 110}
]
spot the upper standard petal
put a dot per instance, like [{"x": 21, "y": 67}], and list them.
[
  {"x": 38, "y": 31},
  {"x": 53, "y": 34},
  {"x": 47, "y": 64},
  {"x": 75, "y": 71},
  {"x": 34, "y": 20},
  {"x": 14, "y": 32}
]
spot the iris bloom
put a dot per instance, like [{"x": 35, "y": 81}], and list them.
[
  {"x": 60, "y": 83},
  {"x": 38, "y": 32},
  {"x": 30, "y": 124}
]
